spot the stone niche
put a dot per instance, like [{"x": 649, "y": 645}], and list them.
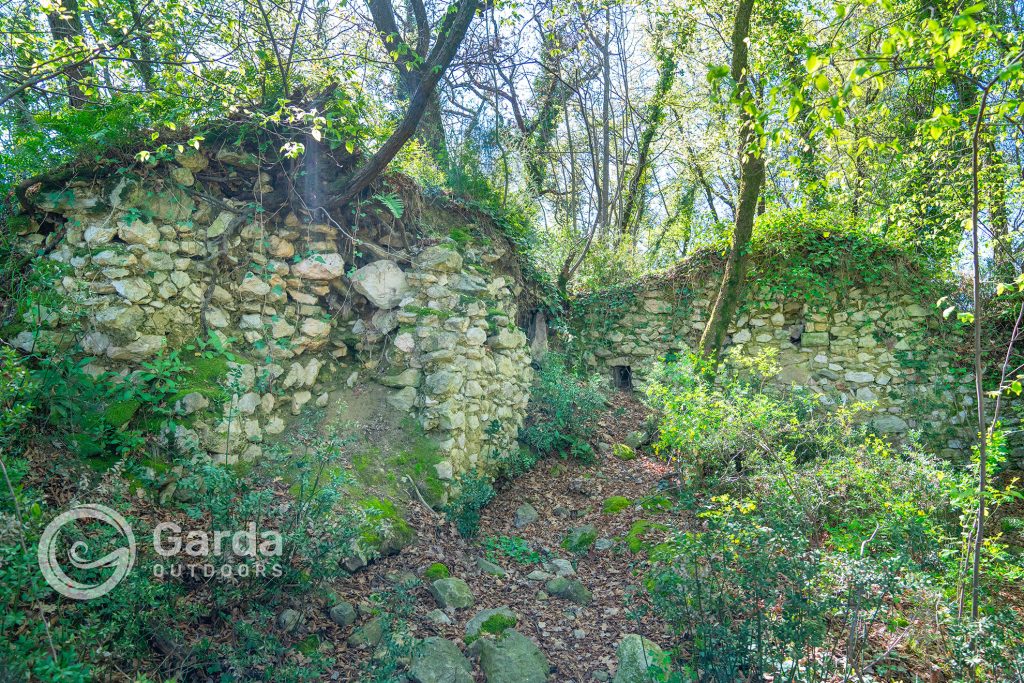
[{"x": 149, "y": 262}]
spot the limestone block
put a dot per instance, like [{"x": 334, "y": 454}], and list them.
[{"x": 382, "y": 282}]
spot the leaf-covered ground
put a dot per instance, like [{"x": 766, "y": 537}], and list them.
[{"x": 577, "y": 641}]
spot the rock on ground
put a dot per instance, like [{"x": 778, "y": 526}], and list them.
[
  {"x": 437, "y": 660},
  {"x": 452, "y": 592},
  {"x": 641, "y": 661},
  {"x": 512, "y": 658},
  {"x": 474, "y": 625}
]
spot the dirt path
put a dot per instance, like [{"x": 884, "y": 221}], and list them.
[{"x": 577, "y": 640}]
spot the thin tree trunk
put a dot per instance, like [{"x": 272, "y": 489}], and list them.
[
  {"x": 632, "y": 211},
  {"x": 751, "y": 180},
  {"x": 605, "y": 209},
  {"x": 979, "y": 391}
]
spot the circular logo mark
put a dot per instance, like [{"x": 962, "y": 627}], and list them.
[{"x": 121, "y": 559}]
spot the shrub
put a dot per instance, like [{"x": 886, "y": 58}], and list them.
[
  {"x": 564, "y": 411},
  {"x": 716, "y": 433},
  {"x": 475, "y": 491},
  {"x": 316, "y": 531},
  {"x": 513, "y": 547},
  {"x": 815, "y": 536},
  {"x": 517, "y": 463}
]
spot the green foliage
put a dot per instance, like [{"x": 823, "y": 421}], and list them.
[
  {"x": 475, "y": 491},
  {"x": 623, "y": 452},
  {"x": 516, "y": 463},
  {"x": 392, "y": 202},
  {"x": 564, "y": 411},
  {"x": 436, "y": 571},
  {"x": 644, "y": 535},
  {"x": 394, "y": 608},
  {"x": 514, "y": 548},
  {"x": 713, "y": 432},
  {"x": 802, "y": 254},
  {"x": 580, "y": 539},
  {"x": 808, "y": 525},
  {"x": 316, "y": 527}
]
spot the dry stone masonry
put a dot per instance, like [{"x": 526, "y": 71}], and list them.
[
  {"x": 152, "y": 264},
  {"x": 147, "y": 263},
  {"x": 874, "y": 344}
]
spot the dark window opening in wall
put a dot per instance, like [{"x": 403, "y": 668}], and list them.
[
  {"x": 622, "y": 377},
  {"x": 796, "y": 333}
]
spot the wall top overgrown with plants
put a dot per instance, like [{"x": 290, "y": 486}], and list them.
[{"x": 844, "y": 314}]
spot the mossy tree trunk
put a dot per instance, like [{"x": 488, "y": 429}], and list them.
[{"x": 751, "y": 181}]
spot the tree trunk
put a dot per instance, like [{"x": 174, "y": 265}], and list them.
[
  {"x": 410, "y": 64},
  {"x": 605, "y": 210},
  {"x": 450, "y": 34},
  {"x": 751, "y": 180},
  {"x": 66, "y": 26}
]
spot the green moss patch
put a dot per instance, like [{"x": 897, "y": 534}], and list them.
[
  {"x": 641, "y": 536},
  {"x": 436, "y": 571},
  {"x": 383, "y": 530},
  {"x": 615, "y": 505},
  {"x": 120, "y": 413},
  {"x": 623, "y": 452}
]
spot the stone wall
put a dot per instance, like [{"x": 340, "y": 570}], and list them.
[
  {"x": 871, "y": 343},
  {"x": 306, "y": 309}
]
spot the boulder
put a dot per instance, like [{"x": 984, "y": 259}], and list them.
[
  {"x": 497, "y": 620},
  {"x": 525, "y": 515},
  {"x": 343, "y": 614},
  {"x": 289, "y": 620},
  {"x": 437, "y": 660},
  {"x": 569, "y": 589},
  {"x": 580, "y": 539},
  {"x": 382, "y": 282},
  {"x": 512, "y": 658},
  {"x": 488, "y": 567},
  {"x": 641, "y": 661},
  {"x": 370, "y": 633}
]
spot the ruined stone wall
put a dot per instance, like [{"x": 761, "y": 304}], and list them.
[
  {"x": 306, "y": 309},
  {"x": 874, "y": 343}
]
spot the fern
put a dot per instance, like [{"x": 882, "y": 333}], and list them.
[{"x": 393, "y": 203}]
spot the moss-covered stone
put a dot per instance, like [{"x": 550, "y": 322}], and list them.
[
  {"x": 569, "y": 589},
  {"x": 580, "y": 539},
  {"x": 491, "y": 622},
  {"x": 623, "y": 451}
]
